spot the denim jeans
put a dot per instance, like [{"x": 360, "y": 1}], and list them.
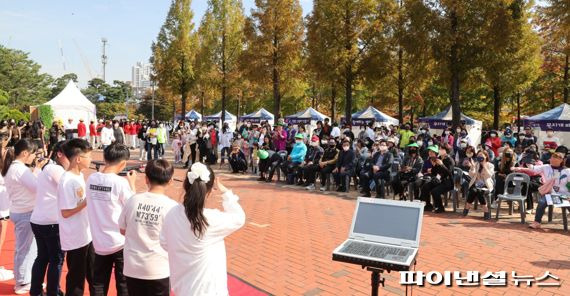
[
  {"x": 540, "y": 208},
  {"x": 50, "y": 257},
  {"x": 25, "y": 249}
]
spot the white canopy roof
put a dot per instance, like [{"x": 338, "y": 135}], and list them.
[{"x": 71, "y": 103}]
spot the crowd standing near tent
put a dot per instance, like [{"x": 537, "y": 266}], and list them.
[{"x": 374, "y": 153}]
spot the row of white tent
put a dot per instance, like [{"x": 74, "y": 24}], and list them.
[{"x": 70, "y": 103}]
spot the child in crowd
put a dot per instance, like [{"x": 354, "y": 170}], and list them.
[
  {"x": 45, "y": 227},
  {"x": 74, "y": 233},
  {"x": 107, "y": 194},
  {"x": 21, "y": 185},
  {"x": 194, "y": 236},
  {"x": 146, "y": 262},
  {"x": 177, "y": 147}
]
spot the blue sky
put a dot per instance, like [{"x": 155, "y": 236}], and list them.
[{"x": 39, "y": 27}]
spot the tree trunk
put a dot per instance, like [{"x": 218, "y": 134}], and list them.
[
  {"x": 333, "y": 101},
  {"x": 496, "y": 106},
  {"x": 348, "y": 94},
  {"x": 202, "y": 103},
  {"x": 276, "y": 94},
  {"x": 566, "y": 80},
  {"x": 552, "y": 97},
  {"x": 183, "y": 96},
  {"x": 454, "y": 69},
  {"x": 400, "y": 86},
  {"x": 518, "y": 112},
  {"x": 224, "y": 78}
]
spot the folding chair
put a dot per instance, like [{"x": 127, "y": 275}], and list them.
[{"x": 518, "y": 179}]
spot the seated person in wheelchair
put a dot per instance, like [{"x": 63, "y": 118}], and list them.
[
  {"x": 344, "y": 166},
  {"x": 441, "y": 180},
  {"x": 237, "y": 160},
  {"x": 295, "y": 159},
  {"x": 379, "y": 170},
  {"x": 311, "y": 163},
  {"x": 409, "y": 171},
  {"x": 555, "y": 177},
  {"x": 481, "y": 183}
]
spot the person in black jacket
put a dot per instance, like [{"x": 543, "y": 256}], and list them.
[
  {"x": 344, "y": 166},
  {"x": 311, "y": 163},
  {"x": 441, "y": 181},
  {"x": 326, "y": 165},
  {"x": 409, "y": 171},
  {"x": 237, "y": 160},
  {"x": 379, "y": 169}
]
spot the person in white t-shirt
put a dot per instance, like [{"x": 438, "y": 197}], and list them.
[
  {"x": 107, "y": 135},
  {"x": 74, "y": 234},
  {"x": 45, "y": 227},
  {"x": 5, "y": 274},
  {"x": 21, "y": 185},
  {"x": 107, "y": 194},
  {"x": 146, "y": 262},
  {"x": 194, "y": 236}
]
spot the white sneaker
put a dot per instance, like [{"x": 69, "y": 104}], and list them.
[
  {"x": 24, "y": 289},
  {"x": 494, "y": 205},
  {"x": 322, "y": 189},
  {"x": 310, "y": 187},
  {"x": 5, "y": 274}
]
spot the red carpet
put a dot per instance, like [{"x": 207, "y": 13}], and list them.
[{"x": 236, "y": 286}]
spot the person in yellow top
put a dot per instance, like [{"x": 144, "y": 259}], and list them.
[
  {"x": 152, "y": 141},
  {"x": 405, "y": 135},
  {"x": 161, "y": 139}
]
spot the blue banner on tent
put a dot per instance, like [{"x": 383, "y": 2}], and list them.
[
  {"x": 298, "y": 120},
  {"x": 556, "y": 125},
  {"x": 437, "y": 123}
]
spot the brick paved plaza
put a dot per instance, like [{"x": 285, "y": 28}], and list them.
[{"x": 285, "y": 247}]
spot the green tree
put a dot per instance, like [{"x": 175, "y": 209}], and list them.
[
  {"x": 20, "y": 77},
  {"x": 174, "y": 52},
  {"x": 60, "y": 83},
  {"x": 221, "y": 37},
  {"x": 274, "y": 34}
]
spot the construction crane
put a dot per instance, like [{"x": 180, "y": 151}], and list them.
[
  {"x": 62, "y": 57},
  {"x": 83, "y": 59}
]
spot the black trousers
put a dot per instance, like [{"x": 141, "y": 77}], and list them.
[
  {"x": 138, "y": 287},
  {"x": 325, "y": 171},
  {"x": 50, "y": 259},
  {"x": 264, "y": 165},
  {"x": 79, "y": 268},
  {"x": 102, "y": 274},
  {"x": 476, "y": 194},
  {"x": 237, "y": 164},
  {"x": 193, "y": 152},
  {"x": 310, "y": 173}
]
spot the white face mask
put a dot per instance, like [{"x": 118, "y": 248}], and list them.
[
  {"x": 383, "y": 148},
  {"x": 420, "y": 142},
  {"x": 324, "y": 142},
  {"x": 550, "y": 134},
  {"x": 458, "y": 130},
  {"x": 430, "y": 143},
  {"x": 314, "y": 144},
  {"x": 493, "y": 135},
  {"x": 422, "y": 131},
  {"x": 469, "y": 154},
  {"x": 345, "y": 148},
  {"x": 462, "y": 145},
  {"x": 161, "y": 125},
  {"x": 299, "y": 141},
  {"x": 116, "y": 125}
]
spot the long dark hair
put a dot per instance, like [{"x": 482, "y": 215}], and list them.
[
  {"x": 13, "y": 152},
  {"x": 194, "y": 201}
]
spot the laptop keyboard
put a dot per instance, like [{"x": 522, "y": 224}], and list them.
[{"x": 376, "y": 251}]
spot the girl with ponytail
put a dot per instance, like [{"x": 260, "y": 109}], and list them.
[{"x": 193, "y": 235}]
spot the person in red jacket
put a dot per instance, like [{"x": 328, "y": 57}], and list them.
[
  {"x": 495, "y": 142},
  {"x": 81, "y": 130},
  {"x": 127, "y": 127},
  {"x": 135, "y": 132},
  {"x": 92, "y": 133}
]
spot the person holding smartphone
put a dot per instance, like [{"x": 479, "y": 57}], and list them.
[{"x": 481, "y": 173}]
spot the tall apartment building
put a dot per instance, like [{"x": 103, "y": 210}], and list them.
[{"x": 141, "y": 78}]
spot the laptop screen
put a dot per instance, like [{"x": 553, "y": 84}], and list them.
[{"x": 391, "y": 221}]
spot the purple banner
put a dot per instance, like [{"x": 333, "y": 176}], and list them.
[
  {"x": 556, "y": 125},
  {"x": 437, "y": 123},
  {"x": 298, "y": 120}
]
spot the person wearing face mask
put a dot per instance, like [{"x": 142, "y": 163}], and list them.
[
  {"x": 528, "y": 138},
  {"x": 226, "y": 139},
  {"x": 362, "y": 155},
  {"x": 294, "y": 160},
  {"x": 118, "y": 133},
  {"x": 441, "y": 171},
  {"x": 237, "y": 160},
  {"x": 549, "y": 144},
  {"x": 378, "y": 171},
  {"x": 328, "y": 162},
  {"x": 495, "y": 142},
  {"x": 555, "y": 177},
  {"x": 347, "y": 132},
  {"x": 504, "y": 168},
  {"x": 344, "y": 167},
  {"x": 151, "y": 141},
  {"x": 481, "y": 183},
  {"x": 508, "y": 138},
  {"x": 161, "y": 139},
  {"x": 447, "y": 138},
  {"x": 405, "y": 135},
  {"x": 411, "y": 167},
  {"x": 310, "y": 165}
]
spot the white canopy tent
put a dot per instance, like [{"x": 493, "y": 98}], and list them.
[
  {"x": 558, "y": 119},
  {"x": 438, "y": 122},
  {"x": 229, "y": 118},
  {"x": 71, "y": 103}
]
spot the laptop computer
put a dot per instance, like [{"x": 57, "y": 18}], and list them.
[{"x": 384, "y": 234}]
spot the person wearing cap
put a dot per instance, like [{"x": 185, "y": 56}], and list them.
[
  {"x": 344, "y": 167},
  {"x": 508, "y": 138},
  {"x": 69, "y": 128},
  {"x": 378, "y": 170},
  {"x": 442, "y": 166},
  {"x": 294, "y": 160},
  {"x": 237, "y": 160},
  {"x": 310, "y": 166},
  {"x": 327, "y": 163},
  {"x": 92, "y": 133},
  {"x": 411, "y": 167}
]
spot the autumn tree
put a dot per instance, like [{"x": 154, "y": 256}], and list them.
[
  {"x": 274, "y": 34},
  {"x": 174, "y": 52}
]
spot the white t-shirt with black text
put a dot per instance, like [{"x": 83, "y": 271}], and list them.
[
  {"x": 106, "y": 197},
  {"x": 73, "y": 231},
  {"x": 142, "y": 219}
]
